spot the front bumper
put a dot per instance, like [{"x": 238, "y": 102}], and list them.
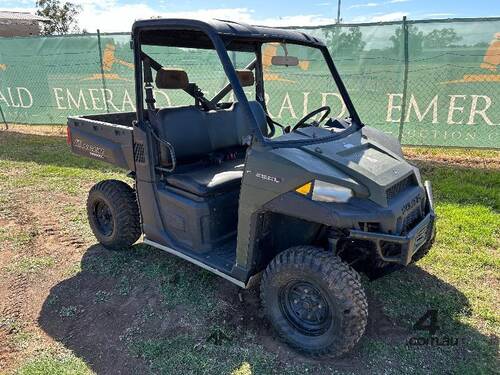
[{"x": 400, "y": 249}]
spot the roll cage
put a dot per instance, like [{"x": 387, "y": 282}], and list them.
[{"x": 224, "y": 36}]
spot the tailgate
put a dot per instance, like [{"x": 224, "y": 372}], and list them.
[{"x": 104, "y": 141}]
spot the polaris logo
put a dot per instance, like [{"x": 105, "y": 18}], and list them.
[
  {"x": 411, "y": 204},
  {"x": 265, "y": 177},
  {"x": 93, "y": 150}
]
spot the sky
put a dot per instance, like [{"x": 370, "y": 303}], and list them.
[{"x": 118, "y": 15}]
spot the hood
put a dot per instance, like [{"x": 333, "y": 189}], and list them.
[{"x": 365, "y": 157}]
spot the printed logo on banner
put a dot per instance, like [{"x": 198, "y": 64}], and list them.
[
  {"x": 108, "y": 60},
  {"x": 451, "y": 98},
  {"x": 491, "y": 61},
  {"x": 458, "y": 111},
  {"x": 271, "y": 50}
]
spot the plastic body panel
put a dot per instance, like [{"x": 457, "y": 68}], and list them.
[
  {"x": 105, "y": 141},
  {"x": 202, "y": 225}
]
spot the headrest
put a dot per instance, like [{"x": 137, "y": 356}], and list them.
[
  {"x": 246, "y": 77},
  {"x": 167, "y": 78}
]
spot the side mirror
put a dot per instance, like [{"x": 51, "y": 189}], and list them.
[{"x": 285, "y": 60}]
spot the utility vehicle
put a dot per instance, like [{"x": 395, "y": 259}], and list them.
[{"x": 304, "y": 208}]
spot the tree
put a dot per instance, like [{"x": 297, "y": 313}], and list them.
[
  {"x": 441, "y": 38},
  {"x": 342, "y": 42},
  {"x": 415, "y": 39},
  {"x": 62, "y": 16}
]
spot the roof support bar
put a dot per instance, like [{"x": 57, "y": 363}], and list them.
[{"x": 227, "y": 89}]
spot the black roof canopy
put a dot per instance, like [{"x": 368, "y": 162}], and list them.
[{"x": 191, "y": 33}]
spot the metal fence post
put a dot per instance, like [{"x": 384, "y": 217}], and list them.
[
  {"x": 3, "y": 118},
  {"x": 405, "y": 78},
  {"x": 105, "y": 91}
]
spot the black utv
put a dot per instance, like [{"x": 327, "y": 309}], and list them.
[{"x": 222, "y": 184}]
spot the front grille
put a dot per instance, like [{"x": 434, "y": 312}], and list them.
[
  {"x": 421, "y": 236},
  {"x": 399, "y": 187},
  {"x": 412, "y": 219},
  {"x": 369, "y": 227}
]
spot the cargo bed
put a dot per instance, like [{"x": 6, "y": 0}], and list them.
[{"x": 107, "y": 137}]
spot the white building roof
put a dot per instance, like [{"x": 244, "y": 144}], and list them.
[{"x": 21, "y": 16}]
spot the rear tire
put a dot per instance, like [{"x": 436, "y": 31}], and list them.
[
  {"x": 113, "y": 214},
  {"x": 314, "y": 301}
]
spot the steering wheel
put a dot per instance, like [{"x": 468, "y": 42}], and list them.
[{"x": 303, "y": 120}]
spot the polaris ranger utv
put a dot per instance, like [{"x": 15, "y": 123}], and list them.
[{"x": 220, "y": 183}]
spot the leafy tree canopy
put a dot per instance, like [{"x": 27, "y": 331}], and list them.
[
  {"x": 415, "y": 39},
  {"x": 62, "y": 16},
  {"x": 340, "y": 41},
  {"x": 440, "y": 38}
]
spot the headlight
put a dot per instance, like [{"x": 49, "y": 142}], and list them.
[{"x": 326, "y": 192}]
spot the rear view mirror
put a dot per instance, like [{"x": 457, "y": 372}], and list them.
[{"x": 285, "y": 60}]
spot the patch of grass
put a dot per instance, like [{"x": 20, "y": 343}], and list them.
[
  {"x": 452, "y": 152},
  {"x": 460, "y": 278},
  {"x": 10, "y": 324},
  {"x": 4, "y": 234},
  {"x": 54, "y": 364},
  {"x": 102, "y": 296},
  {"x": 68, "y": 311},
  {"x": 124, "y": 286},
  {"x": 180, "y": 283},
  {"x": 465, "y": 186},
  {"x": 22, "y": 339},
  {"x": 73, "y": 270},
  {"x": 187, "y": 355},
  {"x": 45, "y": 164},
  {"x": 31, "y": 264},
  {"x": 16, "y": 238},
  {"x": 24, "y": 238},
  {"x": 244, "y": 369}
]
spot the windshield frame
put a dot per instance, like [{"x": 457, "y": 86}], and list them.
[
  {"x": 254, "y": 42},
  {"x": 356, "y": 123},
  {"x": 257, "y": 66}
]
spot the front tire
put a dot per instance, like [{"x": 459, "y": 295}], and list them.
[
  {"x": 422, "y": 252},
  {"x": 113, "y": 214},
  {"x": 314, "y": 301}
]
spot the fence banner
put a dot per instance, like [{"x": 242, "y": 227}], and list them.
[{"x": 427, "y": 82}]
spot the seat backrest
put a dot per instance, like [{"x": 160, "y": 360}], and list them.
[{"x": 194, "y": 132}]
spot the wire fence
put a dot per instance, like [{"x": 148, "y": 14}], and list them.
[{"x": 432, "y": 82}]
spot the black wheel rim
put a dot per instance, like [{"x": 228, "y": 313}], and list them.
[
  {"x": 305, "y": 307},
  {"x": 103, "y": 218}
]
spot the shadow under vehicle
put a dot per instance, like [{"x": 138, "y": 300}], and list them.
[{"x": 223, "y": 185}]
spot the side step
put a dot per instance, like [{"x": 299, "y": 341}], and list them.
[{"x": 195, "y": 261}]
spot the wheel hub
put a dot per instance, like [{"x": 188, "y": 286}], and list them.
[
  {"x": 104, "y": 218},
  {"x": 305, "y": 307}
]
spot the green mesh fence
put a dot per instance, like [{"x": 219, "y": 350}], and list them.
[{"x": 426, "y": 82}]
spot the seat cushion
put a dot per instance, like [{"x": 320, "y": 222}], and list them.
[
  {"x": 194, "y": 133},
  {"x": 209, "y": 180}
]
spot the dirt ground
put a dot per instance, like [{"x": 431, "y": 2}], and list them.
[
  {"x": 125, "y": 313},
  {"x": 97, "y": 335}
]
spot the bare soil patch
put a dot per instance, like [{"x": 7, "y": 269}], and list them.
[
  {"x": 89, "y": 313},
  {"x": 146, "y": 311}
]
